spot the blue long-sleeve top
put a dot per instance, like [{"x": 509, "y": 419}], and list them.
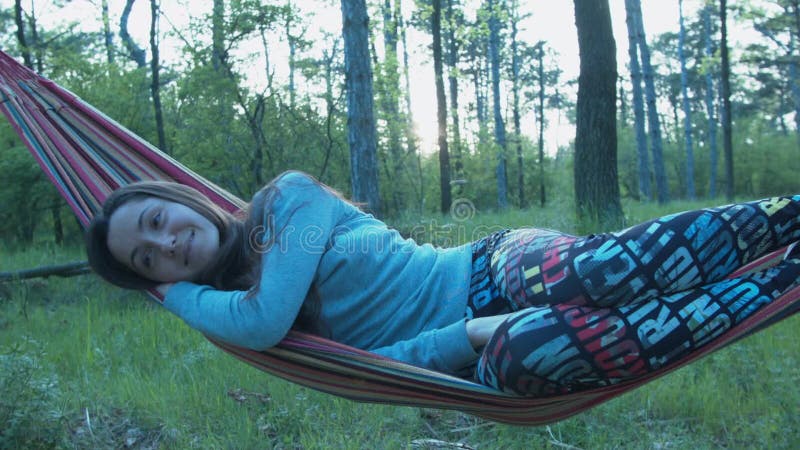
[{"x": 378, "y": 291}]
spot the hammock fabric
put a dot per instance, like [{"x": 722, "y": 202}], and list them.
[{"x": 87, "y": 155}]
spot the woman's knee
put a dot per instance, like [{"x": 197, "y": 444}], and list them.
[{"x": 525, "y": 354}]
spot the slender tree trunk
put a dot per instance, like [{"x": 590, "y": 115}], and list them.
[
  {"x": 638, "y": 103},
  {"x": 218, "y": 55},
  {"x": 676, "y": 121},
  {"x": 136, "y": 53},
  {"x": 687, "y": 108},
  {"x": 477, "y": 85},
  {"x": 499, "y": 126},
  {"x": 411, "y": 136},
  {"x": 441, "y": 106},
  {"x": 256, "y": 122},
  {"x": 653, "y": 122},
  {"x": 23, "y": 44},
  {"x": 515, "y": 110},
  {"x": 793, "y": 76},
  {"x": 596, "y": 180},
  {"x": 623, "y": 107},
  {"x": 35, "y": 41},
  {"x": 452, "y": 62},
  {"x": 391, "y": 99},
  {"x": 477, "y": 57},
  {"x": 58, "y": 227},
  {"x": 107, "y": 35},
  {"x": 361, "y": 132},
  {"x": 710, "y": 110},
  {"x": 292, "y": 41},
  {"x": 542, "y": 194},
  {"x": 155, "y": 87},
  {"x": 727, "y": 130},
  {"x": 795, "y": 89},
  {"x": 486, "y": 80},
  {"x": 328, "y": 60}
]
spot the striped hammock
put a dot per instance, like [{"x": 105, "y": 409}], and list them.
[{"x": 87, "y": 155}]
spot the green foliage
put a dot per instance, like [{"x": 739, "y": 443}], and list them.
[
  {"x": 217, "y": 122},
  {"x": 21, "y": 213},
  {"x": 765, "y": 160}
]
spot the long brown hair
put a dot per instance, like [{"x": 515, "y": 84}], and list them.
[{"x": 238, "y": 263}]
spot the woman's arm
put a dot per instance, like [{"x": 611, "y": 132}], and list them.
[
  {"x": 304, "y": 217},
  {"x": 445, "y": 349}
]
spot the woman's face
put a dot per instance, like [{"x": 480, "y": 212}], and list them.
[{"x": 162, "y": 240}]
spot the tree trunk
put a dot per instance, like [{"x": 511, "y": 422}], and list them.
[
  {"x": 653, "y": 122},
  {"x": 134, "y": 51},
  {"x": 542, "y": 194},
  {"x": 596, "y": 181},
  {"x": 727, "y": 131},
  {"x": 23, "y": 44},
  {"x": 499, "y": 126},
  {"x": 218, "y": 55},
  {"x": 687, "y": 109},
  {"x": 476, "y": 83},
  {"x": 441, "y": 107},
  {"x": 793, "y": 76},
  {"x": 710, "y": 110},
  {"x": 257, "y": 130},
  {"x": 638, "y": 103},
  {"x": 623, "y": 107},
  {"x": 58, "y": 227},
  {"x": 391, "y": 83},
  {"x": 107, "y": 35},
  {"x": 452, "y": 62},
  {"x": 361, "y": 133},
  {"x": 292, "y": 41},
  {"x": 329, "y": 59},
  {"x": 411, "y": 136},
  {"x": 155, "y": 86},
  {"x": 515, "y": 110},
  {"x": 795, "y": 89},
  {"x": 35, "y": 41},
  {"x": 476, "y": 53}
]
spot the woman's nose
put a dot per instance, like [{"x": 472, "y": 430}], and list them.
[{"x": 168, "y": 244}]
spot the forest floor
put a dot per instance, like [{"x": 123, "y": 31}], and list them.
[{"x": 85, "y": 365}]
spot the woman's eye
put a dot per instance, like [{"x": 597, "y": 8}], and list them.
[
  {"x": 156, "y": 219},
  {"x": 147, "y": 260}
]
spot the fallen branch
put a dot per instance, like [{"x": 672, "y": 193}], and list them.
[
  {"x": 435, "y": 443},
  {"x": 60, "y": 270}
]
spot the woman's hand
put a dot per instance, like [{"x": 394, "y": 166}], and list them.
[{"x": 480, "y": 330}]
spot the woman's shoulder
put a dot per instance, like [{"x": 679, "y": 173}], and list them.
[
  {"x": 295, "y": 187},
  {"x": 291, "y": 178}
]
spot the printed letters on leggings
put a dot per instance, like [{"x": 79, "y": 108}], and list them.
[{"x": 599, "y": 309}]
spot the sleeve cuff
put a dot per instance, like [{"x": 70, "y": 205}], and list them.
[
  {"x": 178, "y": 295},
  {"x": 454, "y": 347}
]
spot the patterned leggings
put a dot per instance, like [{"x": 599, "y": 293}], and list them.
[{"x": 600, "y": 309}]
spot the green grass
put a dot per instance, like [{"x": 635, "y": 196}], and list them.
[{"x": 85, "y": 365}]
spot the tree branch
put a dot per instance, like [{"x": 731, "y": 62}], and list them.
[{"x": 59, "y": 270}]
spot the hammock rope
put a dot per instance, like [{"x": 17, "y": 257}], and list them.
[{"x": 87, "y": 155}]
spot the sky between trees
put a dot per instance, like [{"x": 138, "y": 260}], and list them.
[{"x": 551, "y": 21}]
